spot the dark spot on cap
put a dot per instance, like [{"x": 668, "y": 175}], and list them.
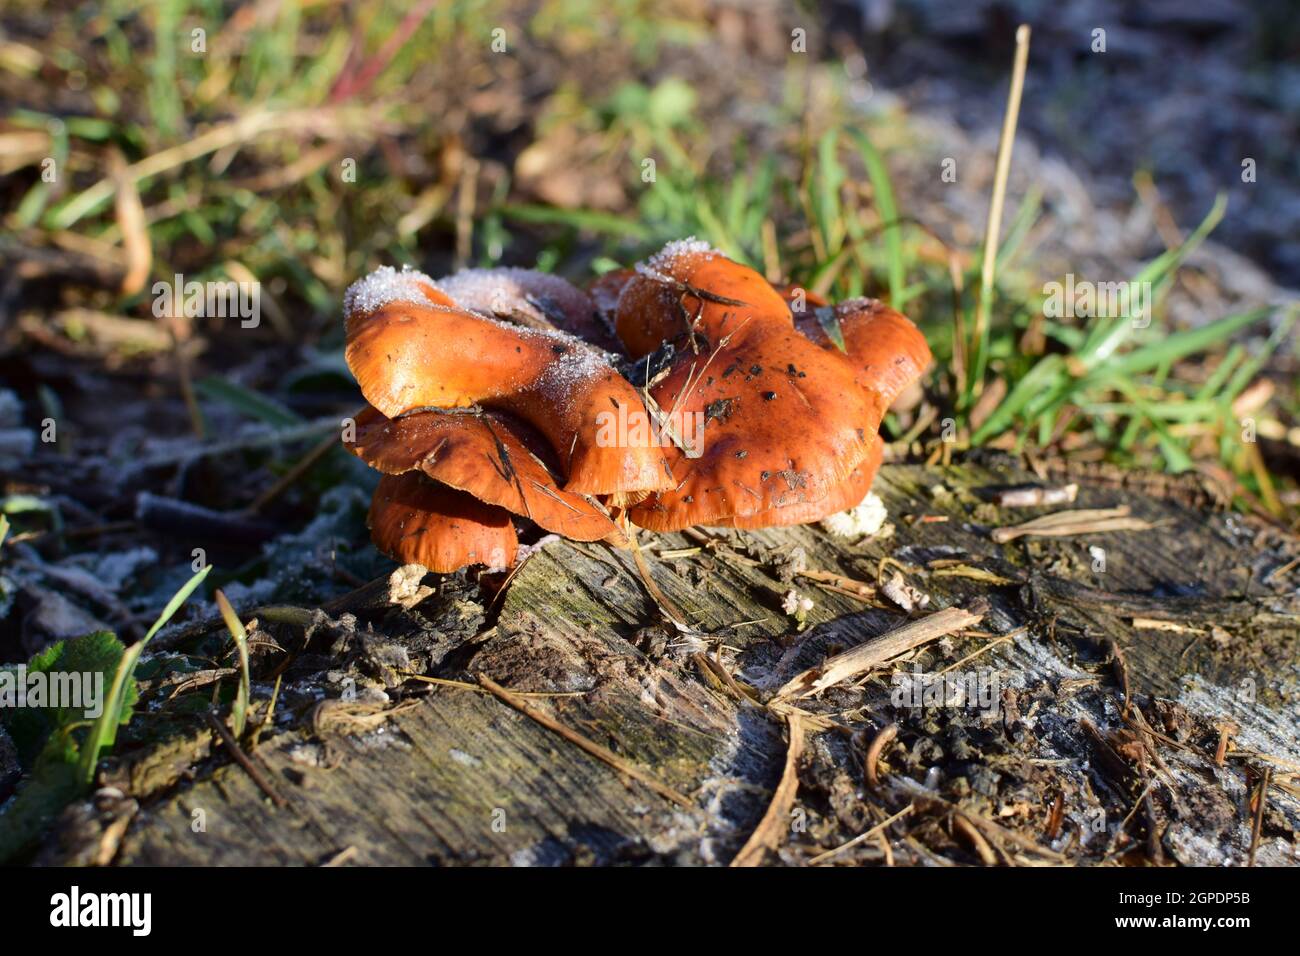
[
  {"x": 794, "y": 479},
  {"x": 742, "y": 453},
  {"x": 688, "y": 499},
  {"x": 719, "y": 410},
  {"x": 769, "y": 396},
  {"x": 764, "y": 476}
]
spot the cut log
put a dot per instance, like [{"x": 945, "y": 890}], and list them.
[{"x": 1082, "y": 736}]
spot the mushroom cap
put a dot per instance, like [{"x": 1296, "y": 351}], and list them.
[
  {"x": 663, "y": 301},
  {"x": 888, "y": 353},
  {"x": 785, "y": 422},
  {"x": 605, "y": 290},
  {"x": 418, "y": 521},
  {"x": 800, "y": 300},
  {"x": 529, "y": 298},
  {"x": 491, "y": 456},
  {"x": 847, "y": 494},
  {"x": 410, "y": 348}
]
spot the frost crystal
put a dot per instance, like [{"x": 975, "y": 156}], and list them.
[
  {"x": 580, "y": 364},
  {"x": 505, "y": 291},
  {"x": 383, "y": 286},
  {"x": 664, "y": 261}
]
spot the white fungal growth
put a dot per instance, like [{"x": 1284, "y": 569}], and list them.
[
  {"x": 794, "y": 603},
  {"x": 383, "y": 286},
  {"x": 660, "y": 266},
  {"x": 867, "y": 518},
  {"x": 538, "y": 295}
]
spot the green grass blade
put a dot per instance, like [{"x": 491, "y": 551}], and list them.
[
  {"x": 583, "y": 220},
  {"x": 1182, "y": 344},
  {"x": 1106, "y": 338},
  {"x": 247, "y": 401},
  {"x": 239, "y": 712},
  {"x": 1251, "y": 367},
  {"x": 826, "y": 204},
  {"x": 103, "y": 732},
  {"x": 883, "y": 189},
  {"x": 1046, "y": 375}
]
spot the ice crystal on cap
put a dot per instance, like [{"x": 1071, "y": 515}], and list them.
[
  {"x": 383, "y": 286},
  {"x": 579, "y": 364},
  {"x": 665, "y": 259},
  {"x": 501, "y": 291}
]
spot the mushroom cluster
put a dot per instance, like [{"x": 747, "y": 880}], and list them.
[{"x": 488, "y": 401}]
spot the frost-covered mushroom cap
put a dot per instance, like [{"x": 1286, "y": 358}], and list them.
[
  {"x": 786, "y": 429},
  {"x": 412, "y": 347}
]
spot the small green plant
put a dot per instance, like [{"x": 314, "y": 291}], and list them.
[
  {"x": 239, "y": 712},
  {"x": 58, "y": 761}
]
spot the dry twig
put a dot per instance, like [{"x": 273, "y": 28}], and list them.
[
  {"x": 512, "y": 699},
  {"x": 772, "y": 828},
  {"x": 876, "y": 651}
]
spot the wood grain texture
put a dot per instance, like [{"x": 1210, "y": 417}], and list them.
[{"x": 461, "y": 778}]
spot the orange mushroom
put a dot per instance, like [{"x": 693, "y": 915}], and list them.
[
  {"x": 790, "y": 426},
  {"x": 418, "y": 521},
  {"x": 532, "y": 299},
  {"x": 490, "y": 456},
  {"x": 887, "y": 351},
  {"x": 475, "y": 419},
  {"x": 410, "y": 347}
]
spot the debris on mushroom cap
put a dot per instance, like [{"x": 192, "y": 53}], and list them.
[
  {"x": 491, "y": 456},
  {"x": 415, "y": 520},
  {"x": 664, "y": 262},
  {"x": 386, "y": 285},
  {"x": 410, "y": 348},
  {"x": 785, "y": 421},
  {"x": 887, "y": 351},
  {"x": 689, "y": 287}
]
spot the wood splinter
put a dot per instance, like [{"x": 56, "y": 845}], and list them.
[{"x": 876, "y": 651}]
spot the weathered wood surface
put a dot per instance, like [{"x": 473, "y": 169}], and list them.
[{"x": 458, "y": 777}]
